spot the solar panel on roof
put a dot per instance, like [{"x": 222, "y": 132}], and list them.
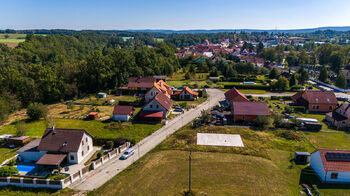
[{"x": 332, "y": 156}]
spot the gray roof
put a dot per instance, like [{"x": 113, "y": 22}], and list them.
[
  {"x": 31, "y": 146},
  {"x": 302, "y": 153}
]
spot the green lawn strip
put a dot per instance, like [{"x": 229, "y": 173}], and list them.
[
  {"x": 98, "y": 129},
  {"x": 12, "y": 40},
  {"x": 6, "y": 153},
  {"x": 16, "y": 191}
]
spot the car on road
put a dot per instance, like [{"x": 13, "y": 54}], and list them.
[
  {"x": 179, "y": 109},
  {"x": 129, "y": 152}
]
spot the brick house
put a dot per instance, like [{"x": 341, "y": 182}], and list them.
[
  {"x": 316, "y": 101},
  {"x": 248, "y": 111},
  {"x": 340, "y": 117},
  {"x": 234, "y": 95}
]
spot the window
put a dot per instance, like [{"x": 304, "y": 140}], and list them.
[
  {"x": 151, "y": 93},
  {"x": 82, "y": 142},
  {"x": 86, "y": 140},
  {"x": 243, "y": 118},
  {"x": 334, "y": 175},
  {"x": 88, "y": 148},
  {"x": 72, "y": 157},
  {"x": 316, "y": 99},
  {"x": 82, "y": 153},
  {"x": 151, "y": 106},
  {"x": 315, "y": 107},
  {"x": 331, "y": 107},
  {"x": 157, "y": 106}
]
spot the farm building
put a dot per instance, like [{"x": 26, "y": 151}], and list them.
[
  {"x": 122, "y": 113},
  {"x": 340, "y": 117},
  {"x": 316, "y": 101},
  {"x": 248, "y": 111},
  {"x": 186, "y": 94},
  {"x": 18, "y": 141},
  {"x": 160, "y": 103},
  {"x": 331, "y": 166}
]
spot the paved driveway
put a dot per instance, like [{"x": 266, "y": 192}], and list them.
[{"x": 101, "y": 175}]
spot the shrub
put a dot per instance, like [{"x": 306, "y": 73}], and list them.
[
  {"x": 7, "y": 171},
  {"x": 288, "y": 109},
  {"x": 118, "y": 142},
  {"x": 109, "y": 145},
  {"x": 99, "y": 154},
  {"x": 290, "y": 135},
  {"x": 36, "y": 111},
  {"x": 21, "y": 128},
  {"x": 262, "y": 121},
  {"x": 298, "y": 108},
  {"x": 12, "y": 162},
  {"x": 70, "y": 105}
]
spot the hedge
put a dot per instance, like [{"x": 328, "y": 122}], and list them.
[
  {"x": 248, "y": 86},
  {"x": 298, "y": 108}
]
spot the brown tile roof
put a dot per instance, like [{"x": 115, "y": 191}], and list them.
[
  {"x": 234, "y": 95},
  {"x": 123, "y": 110},
  {"x": 163, "y": 100},
  {"x": 188, "y": 90},
  {"x": 151, "y": 114},
  {"x": 51, "y": 159},
  {"x": 164, "y": 87},
  {"x": 61, "y": 140},
  {"x": 332, "y": 165},
  {"x": 136, "y": 82},
  {"x": 324, "y": 97},
  {"x": 250, "y": 108}
]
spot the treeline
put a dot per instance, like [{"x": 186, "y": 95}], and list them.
[{"x": 52, "y": 68}]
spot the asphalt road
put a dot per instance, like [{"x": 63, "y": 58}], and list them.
[{"x": 101, "y": 175}]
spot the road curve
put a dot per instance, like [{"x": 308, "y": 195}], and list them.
[{"x": 101, "y": 175}]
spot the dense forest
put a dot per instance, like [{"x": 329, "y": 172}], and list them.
[{"x": 55, "y": 67}]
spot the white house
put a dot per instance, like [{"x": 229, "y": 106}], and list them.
[
  {"x": 186, "y": 94},
  {"x": 58, "y": 146},
  {"x": 159, "y": 87},
  {"x": 122, "y": 113},
  {"x": 331, "y": 166},
  {"x": 157, "y": 109}
]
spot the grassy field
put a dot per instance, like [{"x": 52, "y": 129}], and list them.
[
  {"x": 97, "y": 129},
  {"x": 7, "y": 153},
  {"x": 16, "y": 191}
]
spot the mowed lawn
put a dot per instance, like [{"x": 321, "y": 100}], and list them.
[
  {"x": 6, "y": 153},
  {"x": 98, "y": 129},
  {"x": 18, "y": 191}
]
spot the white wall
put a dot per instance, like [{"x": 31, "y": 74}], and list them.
[
  {"x": 317, "y": 165},
  {"x": 120, "y": 117},
  {"x": 151, "y": 94},
  {"x": 83, "y": 147},
  {"x": 155, "y": 107}
]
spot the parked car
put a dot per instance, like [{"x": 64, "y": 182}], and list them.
[
  {"x": 342, "y": 99},
  {"x": 129, "y": 152},
  {"x": 179, "y": 109}
]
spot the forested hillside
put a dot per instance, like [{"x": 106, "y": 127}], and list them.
[{"x": 55, "y": 67}]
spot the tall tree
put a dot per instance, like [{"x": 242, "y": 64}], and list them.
[
  {"x": 341, "y": 81},
  {"x": 273, "y": 73},
  {"x": 323, "y": 74}
]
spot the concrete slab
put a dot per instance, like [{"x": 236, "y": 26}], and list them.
[{"x": 213, "y": 139}]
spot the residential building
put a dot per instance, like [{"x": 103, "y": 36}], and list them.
[
  {"x": 159, "y": 87},
  {"x": 122, "y": 113},
  {"x": 157, "y": 109},
  {"x": 316, "y": 101},
  {"x": 58, "y": 146},
  {"x": 331, "y": 166},
  {"x": 235, "y": 95},
  {"x": 140, "y": 83},
  {"x": 340, "y": 117},
  {"x": 186, "y": 94},
  {"x": 248, "y": 111}
]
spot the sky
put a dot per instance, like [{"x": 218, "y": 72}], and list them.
[{"x": 173, "y": 14}]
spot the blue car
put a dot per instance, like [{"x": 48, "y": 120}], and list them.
[{"x": 127, "y": 153}]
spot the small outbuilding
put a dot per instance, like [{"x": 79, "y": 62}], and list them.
[
  {"x": 122, "y": 112},
  {"x": 18, "y": 141},
  {"x": 102, "y": 95},
  {"x": 302, "y": 158},
  {"x": 93, "y": 116}
]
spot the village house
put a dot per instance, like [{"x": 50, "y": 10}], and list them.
[
  {"x": 57, "y": 146},
  {"x": 316, "y": 101},
  {"x": 340, "y": 117},
  {"x": 234, "y": 95},
  {"x": 157, "y": 109},
  {"x": 248, "y": 111},
  {"x": 331, "y": 166},
  {"x": 186, "y": 94},
  {"x": 159, "y": 87},
  {"x": 140, "y": 83},
  {"x": 122, "y": 113}
]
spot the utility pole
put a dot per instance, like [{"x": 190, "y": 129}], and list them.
[{"x": 189, "y": 177}]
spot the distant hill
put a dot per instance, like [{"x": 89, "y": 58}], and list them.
[{"x": 310, "y": 30}]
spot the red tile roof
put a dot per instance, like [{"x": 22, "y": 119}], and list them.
[
  {"x": 188, "y": 90},
  {"x": 51, "y": 159},
  {"x": 136, "y": 82},
  {"x": 93, "y": 113},
  {"x": 164, "y": 101},
  {"x": 234, "y": 95},
  {"x": 122, "y": 110},
  {"x": 61, "y": 140},
  {"x": 151, "y": 114},
  {"x": 325, "y": 97},
  {"x": 330, "y": 165},
  {"x": 250, "y": 108}
]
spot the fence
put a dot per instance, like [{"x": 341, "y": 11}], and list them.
[{"x": 61, "y": 184}]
